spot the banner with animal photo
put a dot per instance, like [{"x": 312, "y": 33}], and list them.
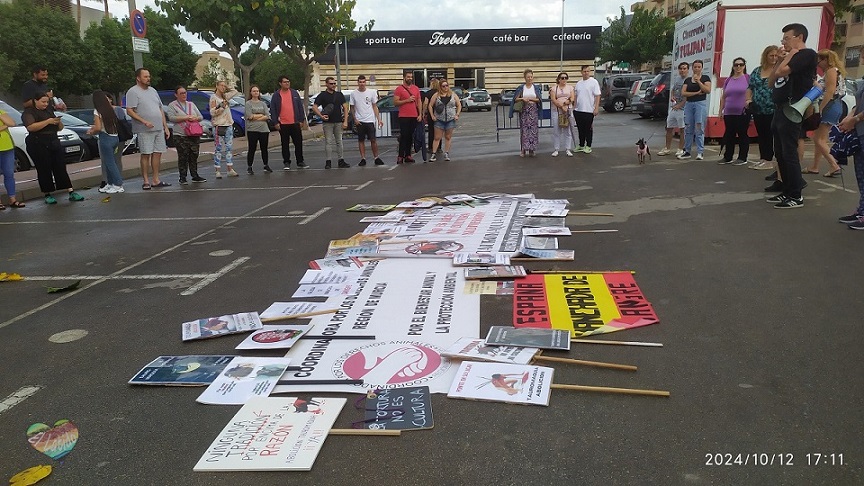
[
  {"x": 487, "y": 226},
  {"x": 390, "y": 332},
  {"x": 582, "y": 303}
]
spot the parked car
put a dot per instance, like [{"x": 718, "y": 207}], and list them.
[
  {"x": 201, "y": 99},
  {"x": 615, "y": 88},
  {"x": 506, "y": 97},
  {"x": 655, "y": 103},
  {"x": 79, "y": 126},
  {"x": 637, "y": 93},
  {"x": 86, "y": 115},
  {"x": 73, "y": 147},
  {"x": 477, "y": 100},
  {"x": 388, "y": 109}
]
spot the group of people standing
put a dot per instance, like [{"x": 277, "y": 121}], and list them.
[{"x": 575, "y": 105}]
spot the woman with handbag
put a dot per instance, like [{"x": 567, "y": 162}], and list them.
[
  {"x": 733, "y": 105},
  {"x": 223, "y": 124},
  {"x": 257, "y": 130},
  {"x": 444, "y": 109},
  {"x": 187, "y": 134},
  {"x": 526, "y": 102},
  {"x": 762, "y": 107},
  {"x": 563, "y": 96},
  {"x": 833, "y": 85},
  {"x": 106, "y": 125}
]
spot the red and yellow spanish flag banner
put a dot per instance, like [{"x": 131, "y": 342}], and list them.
[{"x": 582, "y": 303}]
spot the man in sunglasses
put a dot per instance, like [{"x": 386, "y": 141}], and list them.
[{"x": 332, "y": 107}]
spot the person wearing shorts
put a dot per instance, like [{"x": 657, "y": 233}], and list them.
[
  {"x": 364, "y": 108},
  {"x": 675, "y": 117},
  {"x": 444, "y": 109},
  {"x": 148, "y": 121}
]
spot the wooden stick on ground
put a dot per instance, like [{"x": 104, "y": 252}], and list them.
[
  {"x": 299, "y": 316},
  {"x": 632, "y": 272},
  {"x": 590, "y": 214},
  {"x": 619, "y": 343},
  {"x": 364, "y": 432},
  {"x": 595, "y": 231},
  {"x": 596, "y": 364},
  {"x": 606, "y": 389}
]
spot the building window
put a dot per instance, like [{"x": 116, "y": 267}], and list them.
[{"x": 469, "y": 77}]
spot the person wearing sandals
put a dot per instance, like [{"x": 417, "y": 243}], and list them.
[
  {"x": 762, "y": 107},
  {"x": 833, "y": 85},
  {"x": 733, "y": 105},
  {"x": 563, "y": 96},
  {"x": 7, "y": 160},
  {"x": 148, "y": 121},
  {"x": 855, "y": 122},
  {"x": 257, "y": 130},
  {"x": 223, "y": 124},
  {"x": 529, "y": 97},
  {"x": 183, "y": 112},
  {"x": 45, "y": 149},
  {"x": 105, "y": 125},
  {"x": 444, "y": 109}
]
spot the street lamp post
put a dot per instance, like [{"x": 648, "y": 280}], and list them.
[{"x": 561, "y": 67}]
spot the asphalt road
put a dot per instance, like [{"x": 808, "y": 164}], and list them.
[{"x": 762, "y": 346}]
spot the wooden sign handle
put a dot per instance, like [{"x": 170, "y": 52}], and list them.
[
  {"x": 298, "y": 316},
  {"x": 596, "y": 364},
  {"x": 606, "y": 389},
  {"x": 364, "y": 432}
]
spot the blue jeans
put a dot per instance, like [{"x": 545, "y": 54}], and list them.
[
  {"x": 695, "y": 115},
  {"x": 223, "y": 147},
  {"x": 107, "y": 147},
  {"x": 7, "y": 167}
]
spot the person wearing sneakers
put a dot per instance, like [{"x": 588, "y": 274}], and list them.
[
  {"x": 791, "y": 79},
  {"x": 364, "y": 107},
  {"x": 45, "y": 149},
  {"x": 288, "y": 117},
  {"x": 444, "y": 109},
  {"x": 105, "y": 124},
  {"x": 733, "y": 105},
  {"x": 675, "y": 117},
  {"x": 587, "y": 107},
  {"x": 762, "y": 107},
  {"x": 332, "y": 107},
  {"x": 7, "y": 160},
  {"x": 695, "y": 90},
  {"x": 182, "y": 112},
  {"x": 562, "y": 96},
  {"x": 407, "y": 98},
  {"x": 148, "y": 121},
  {"x": 855, "y": 122},
  {"x": 257, "y": 130},
  {"x": 223, "y": 125}
]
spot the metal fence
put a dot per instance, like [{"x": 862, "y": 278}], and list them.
[{"x": 504, "y": 122}]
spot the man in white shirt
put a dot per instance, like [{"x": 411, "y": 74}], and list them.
[
  {"x": 587, "y": 107},
  {"x": 365, "y": 110}
]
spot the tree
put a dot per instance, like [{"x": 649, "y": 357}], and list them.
[
  {"x": 111, "y": 66},
  {"x": 227, "y": 25},
  {"x": 171, "y": 60},
  {"x": 699, "y": 4},
  {"x": 34, "y": 35},
  {"x": 268, "y": 70},
  {"x": 8, "y": 71},
  {"x": 213, "y": 73},
  {"x": 315, "y": 26},
  {"x": 645, "y": 36}
]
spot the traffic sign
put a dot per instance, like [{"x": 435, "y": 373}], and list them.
[
  {"x": 138, "y": 24},
  {"x": 140, "y": 45}
]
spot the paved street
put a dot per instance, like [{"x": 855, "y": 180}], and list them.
[{"x": 759, "y": 319}]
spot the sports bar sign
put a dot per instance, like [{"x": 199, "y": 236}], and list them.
[{"x": 472, "y": 45}]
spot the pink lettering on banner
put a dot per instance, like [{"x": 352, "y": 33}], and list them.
[{"x": 439, "y": 39}]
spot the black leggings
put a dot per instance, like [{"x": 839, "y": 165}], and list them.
[
  {"x": 766, "y": 140},
  {"x": 585, "y": 125},
  {"x": 259, "y": 139},
  {"x": 407, "y": 125},
  {"x": 48, "y": 157},
  {"x": 736, "y": 127}
]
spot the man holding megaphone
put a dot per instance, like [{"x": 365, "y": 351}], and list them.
[{"x": 792, "y": 80}]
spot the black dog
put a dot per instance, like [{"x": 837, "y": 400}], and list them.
[{"x": 642, "y": 150}]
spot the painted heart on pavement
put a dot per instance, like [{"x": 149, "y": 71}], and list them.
[{"x": 55, "y": 442}]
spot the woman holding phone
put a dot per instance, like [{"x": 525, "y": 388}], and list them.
[{"x": 45, "y": 149}]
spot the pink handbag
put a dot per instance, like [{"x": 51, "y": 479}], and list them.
[{"x": 191, "y": 129}]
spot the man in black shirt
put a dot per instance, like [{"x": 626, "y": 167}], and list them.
[
  {"x": 791, "y": 79},
  {"x": 333, "y": 112},
  {"x": 39, "y": 84}
]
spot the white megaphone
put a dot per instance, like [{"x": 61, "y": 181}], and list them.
[{"x": 795, "y": 111}]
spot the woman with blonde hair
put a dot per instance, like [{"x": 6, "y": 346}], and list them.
[
  {"x": 762, "y": 106},
  {"x": 444, "y": 109},
  {"x": 830, "y": 106}
]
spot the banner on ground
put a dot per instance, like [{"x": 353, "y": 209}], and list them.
[
  {"x": 415, "y": 309},
  {"x": 582, "y": 303}
]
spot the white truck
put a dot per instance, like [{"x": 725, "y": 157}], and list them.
[{"x": 727, "y": 29}]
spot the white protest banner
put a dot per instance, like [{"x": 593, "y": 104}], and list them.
[{"x": 415, "y": 309}]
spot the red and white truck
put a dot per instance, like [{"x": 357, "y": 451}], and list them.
[{"x": 727, "y": 29}]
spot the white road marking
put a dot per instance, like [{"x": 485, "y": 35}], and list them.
[
  {"x": 19, "y": 396},
  {"x": 143, "y": 220},
  {"x": 212, "y": 277},
  {"x": 220, "y": 253},
  {"x": 42, "y": 278},
  {"x": 835, "y": 186},
  {"x": 311, "y": 217},
  {"x": 68, "y": 336},
  {"x": 362, "y": 186},
  {"x": 125, "y": 269}
]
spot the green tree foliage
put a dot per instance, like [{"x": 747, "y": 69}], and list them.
[
  {"x": 34, "y": 35},
  {"x": 228, "y": 25},
  {"x": 10, "y": 67},
  {"x": 171, "y": 60},
  {"x": 110, "y": 65},
  {"x": 316, "y": 25},
  {"x": 268, "y": 71},
  {"x": 699, "y": 4},
  {"x": 645, "y": 36},
  {"x": 213, "y": 73}
]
